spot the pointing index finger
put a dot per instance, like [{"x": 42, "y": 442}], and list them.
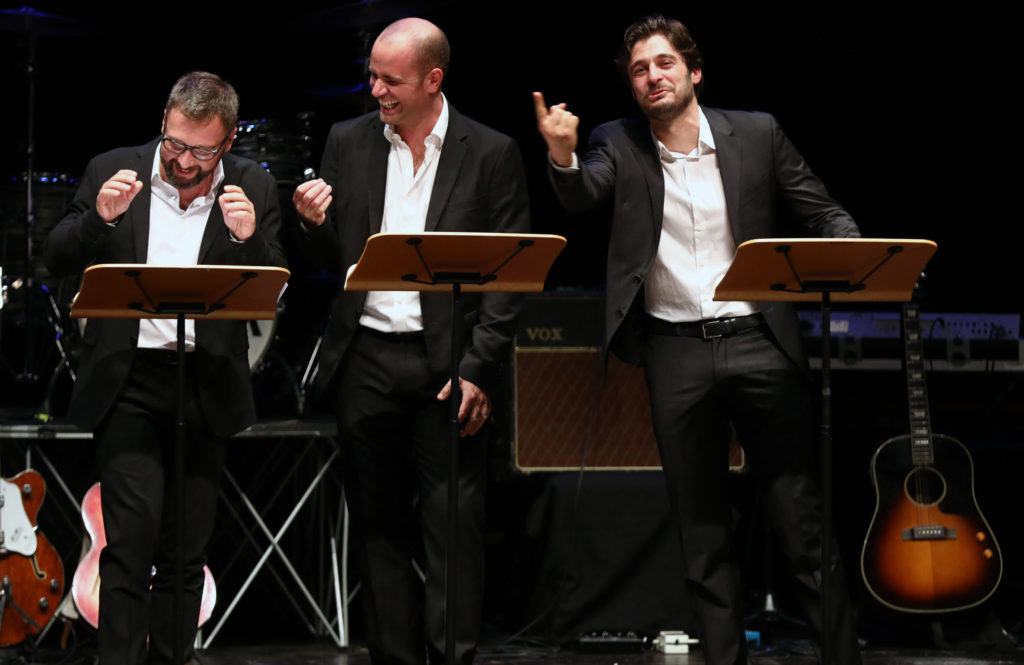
[{"x": 539, "y": 105}]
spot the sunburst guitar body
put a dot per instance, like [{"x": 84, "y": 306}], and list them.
[{"x": 929, "y": 548}]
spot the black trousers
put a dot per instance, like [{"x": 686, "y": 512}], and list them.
[
  {"x": 135, "y": 446},
  {"x": 396, "y": 436},
  {"x": 698, "y": 387}
]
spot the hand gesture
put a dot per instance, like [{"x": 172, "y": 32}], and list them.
[
  {"x": 475, "y": 407},
  {"x": 117, "y": 194},
  {"x": 558, "y": 127},
  {"x": 239, "y": 212},
  {"x": 311, "y": 200}
]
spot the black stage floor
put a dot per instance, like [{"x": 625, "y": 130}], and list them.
[
  {"x": 327, "y": 655},
  {"x": 319, "y": 652}
]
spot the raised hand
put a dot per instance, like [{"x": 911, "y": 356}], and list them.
[
  {"x": 239, "y": 212},
  {"x": 311, "y": 200},
  {"x": 117, "y": 194},
  {"x": 559, "y": 128}
]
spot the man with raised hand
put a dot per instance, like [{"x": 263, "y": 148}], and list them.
[{"x": 688, "y": 184}]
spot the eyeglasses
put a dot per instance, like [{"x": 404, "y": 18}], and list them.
[{"x": 202, "y": 154}]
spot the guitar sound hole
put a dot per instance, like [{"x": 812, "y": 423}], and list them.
[{"x": 925, "y": 486}]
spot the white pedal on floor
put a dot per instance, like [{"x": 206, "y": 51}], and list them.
[{"x": 674, "y": 641}]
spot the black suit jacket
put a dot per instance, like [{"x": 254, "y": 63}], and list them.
[
  {"x": 769, "y": 192},
  {"x": 82, "y": 239},
  {"x": 480, "y": 187}
]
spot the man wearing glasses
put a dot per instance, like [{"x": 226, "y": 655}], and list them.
[{"x": 179, "y": 200}]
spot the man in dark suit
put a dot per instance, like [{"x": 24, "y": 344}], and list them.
[
  {"x": 414, "y": 165},
  {"x": 180, "y": 199},
  {"x": 687, "y": 185}
]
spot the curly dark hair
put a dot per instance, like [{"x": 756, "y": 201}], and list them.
[{"x": 672, "y": 30}]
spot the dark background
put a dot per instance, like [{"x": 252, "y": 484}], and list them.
[
  {"x": 903, "y": 109},
  {"x": 907, "y": 111}
]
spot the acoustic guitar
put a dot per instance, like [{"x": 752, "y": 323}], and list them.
[
  {"x": 928, "y": 548},
  {"x": 31, "y": 572},
  {"x": 85, "y": 585}
]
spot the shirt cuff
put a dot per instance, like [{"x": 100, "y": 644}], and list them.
[{"x": 575, "y": 166}]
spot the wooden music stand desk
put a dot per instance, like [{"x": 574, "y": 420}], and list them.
[
  {"x": 492, "y": 262},
  {"x": 140, "y": 291},
  {"x": 825, "y": 269}
]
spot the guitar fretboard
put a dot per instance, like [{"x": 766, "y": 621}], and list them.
[{"x": 917, "y": 388}]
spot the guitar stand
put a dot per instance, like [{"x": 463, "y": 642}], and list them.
[{"x": 985, "y": 628}]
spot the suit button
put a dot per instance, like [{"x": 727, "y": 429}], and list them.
[
  {"x": 637, "y": 279},
  {"x": 619, "y": 314}
]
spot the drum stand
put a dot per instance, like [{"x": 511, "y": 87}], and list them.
[{"x": 55, "y": 318}]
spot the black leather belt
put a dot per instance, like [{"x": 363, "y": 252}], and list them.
[
  {"x": 704, "y": 329},
  {"x": 393, "y": 337}
]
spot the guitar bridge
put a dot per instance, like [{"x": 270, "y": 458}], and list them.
[{"x": 929, "y": 532}]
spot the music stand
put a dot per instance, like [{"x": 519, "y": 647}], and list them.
[
  {"x": 442, "y": 261},
  {"x": 812, "y": 269},
  {"x": 140, "y": 291}
]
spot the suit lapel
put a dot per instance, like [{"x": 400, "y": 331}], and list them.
[
  {"x": 215, "y": 220},
  {"x": 138, "y": 212},
  {"x": 377, "y": 175},
  {"x": 645, "y": 151},
  {"x": 730, "y": 166},
  {"x": 452, "y": 155}
]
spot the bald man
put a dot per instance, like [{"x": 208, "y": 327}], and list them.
[{"x": 415, "y": 164}]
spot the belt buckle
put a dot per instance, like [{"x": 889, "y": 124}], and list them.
[{"x": 704, "y": 329}]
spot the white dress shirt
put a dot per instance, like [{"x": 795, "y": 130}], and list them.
[
  {"x": 174, "y": 239},
  {"x": 406, "y": 199},
  {"x": 696, "y": 245}
]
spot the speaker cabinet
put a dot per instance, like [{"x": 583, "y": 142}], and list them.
[{"x": 565, "y": 418}]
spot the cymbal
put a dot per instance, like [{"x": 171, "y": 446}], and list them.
[{"x": 35, "y": 22}]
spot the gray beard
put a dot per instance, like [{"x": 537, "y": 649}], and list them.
[{"x": 182, "y": 183}]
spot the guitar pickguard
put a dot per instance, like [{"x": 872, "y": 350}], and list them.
[{"x": 17, "y": 534}]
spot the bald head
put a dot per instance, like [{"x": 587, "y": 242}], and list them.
[{"x": 424, "y": 39}]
